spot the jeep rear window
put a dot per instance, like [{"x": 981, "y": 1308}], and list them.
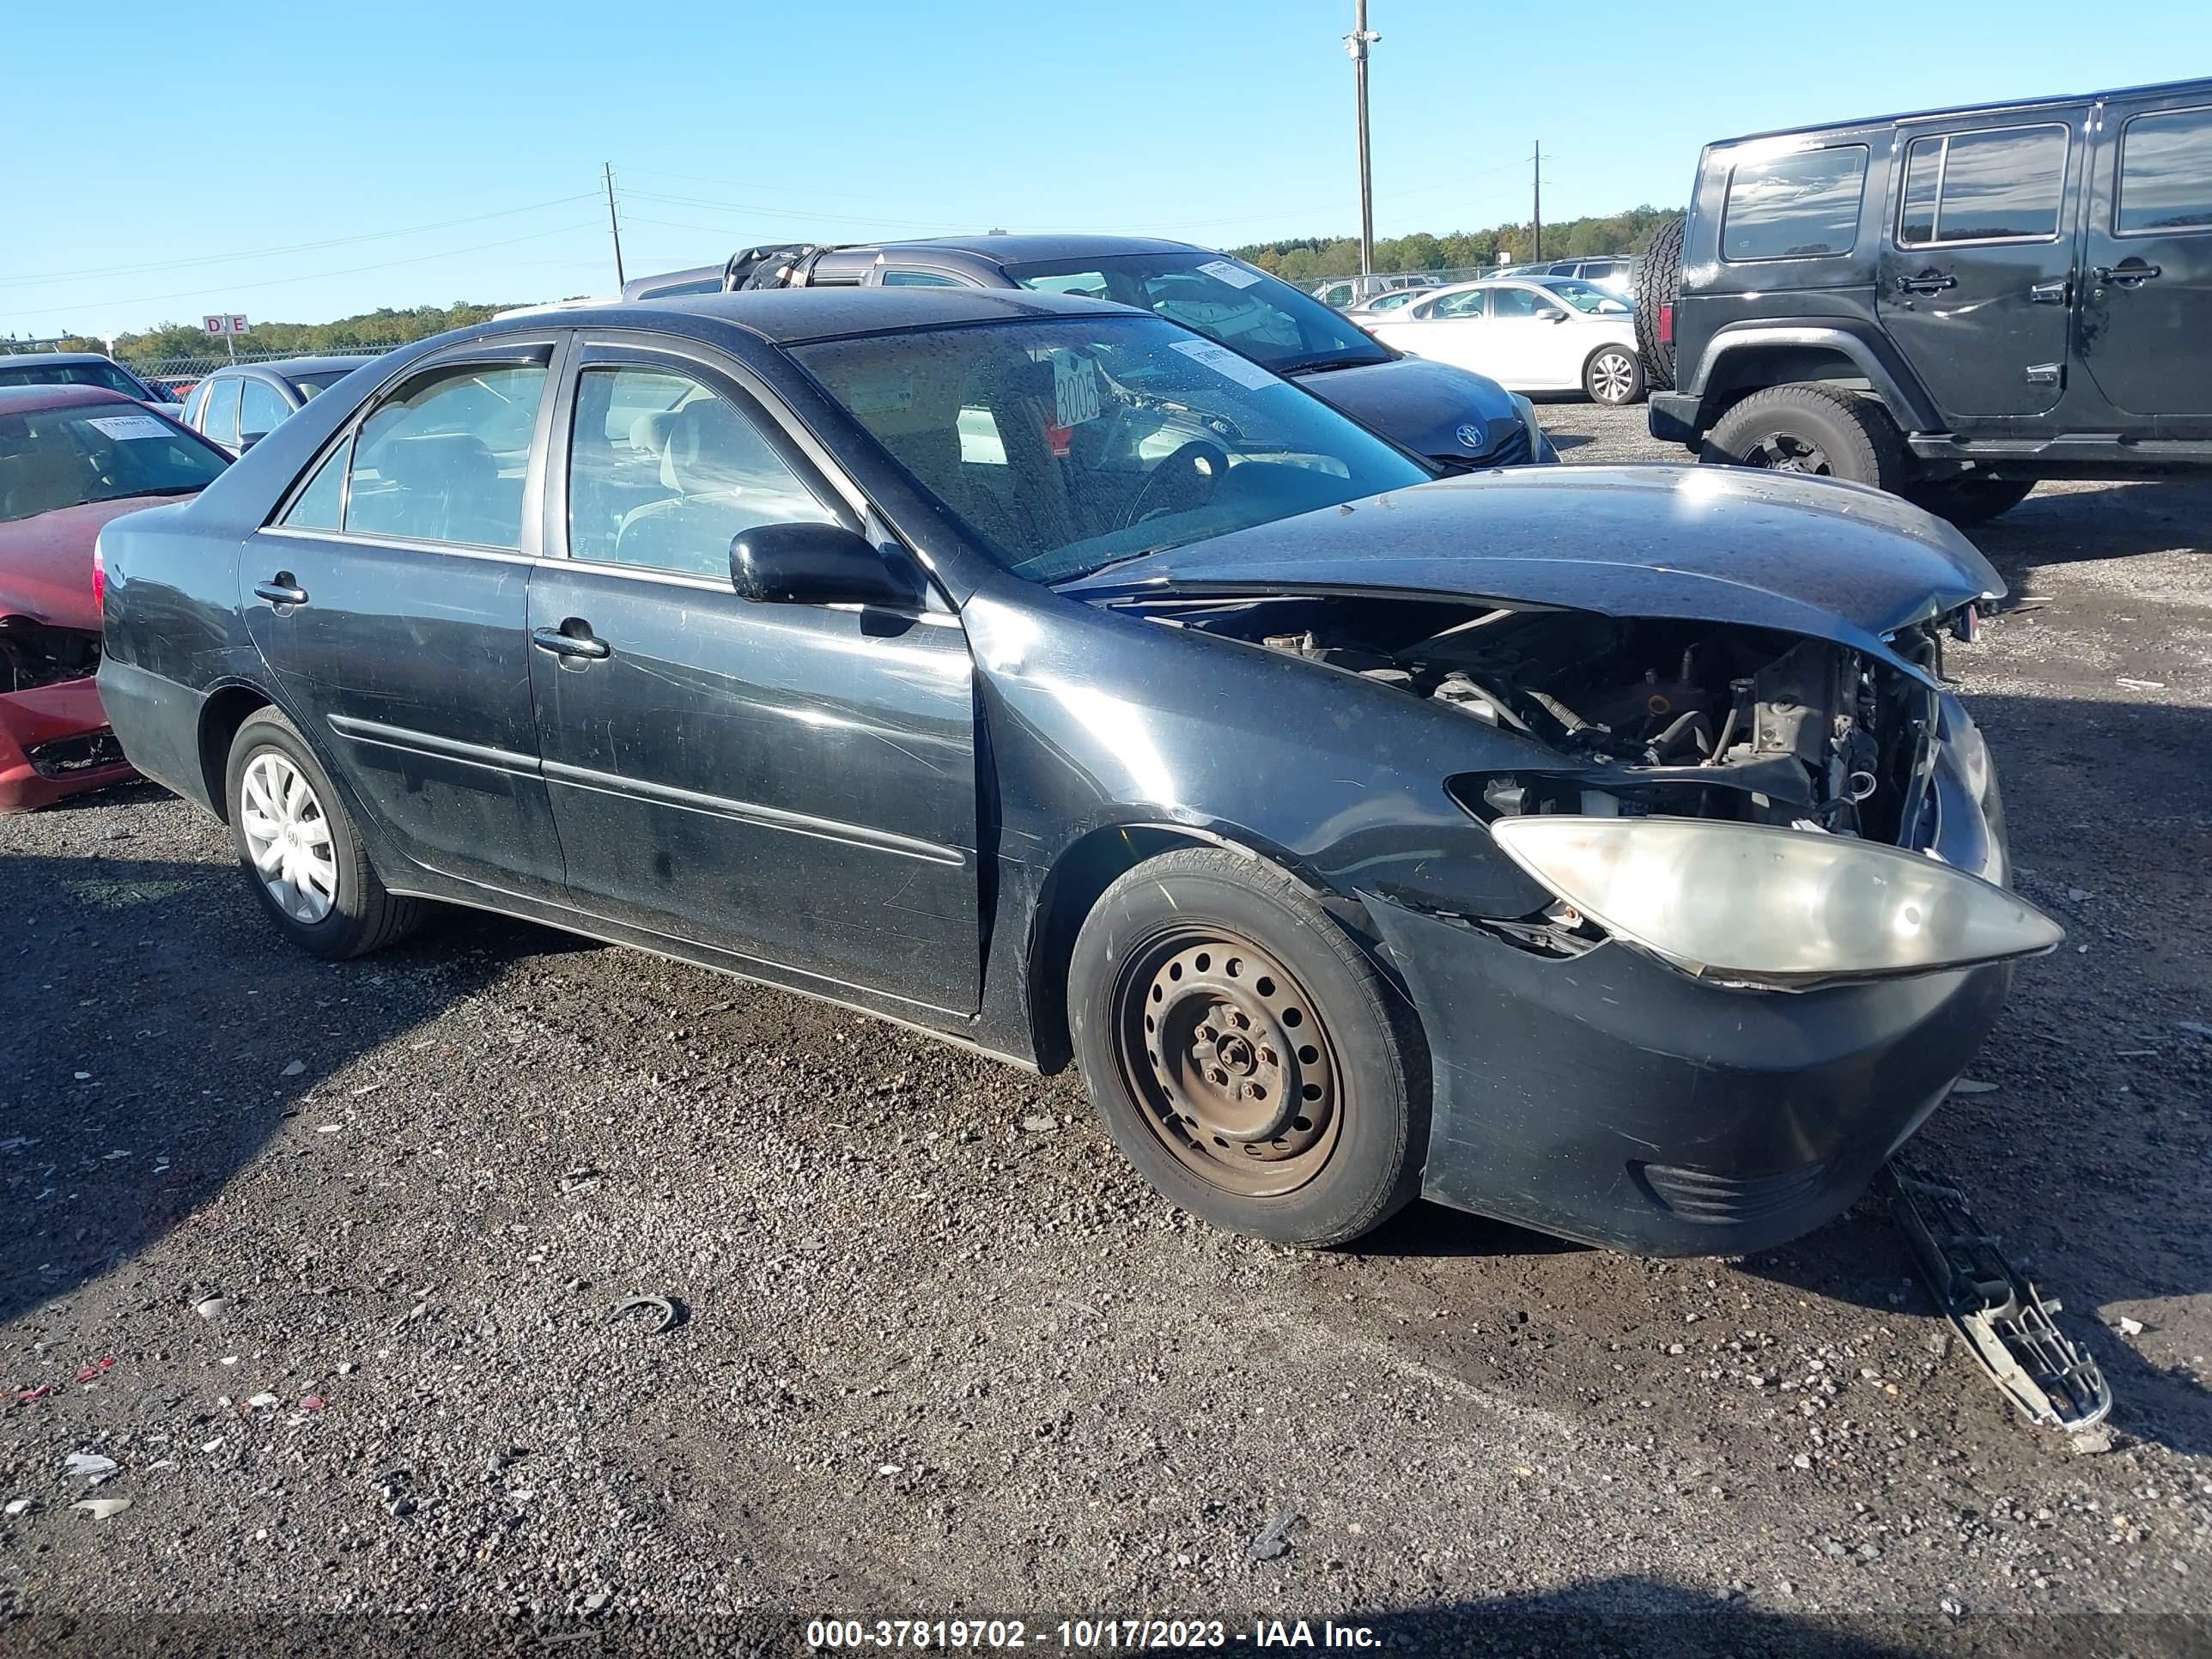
[
  {"x": 2166, "y": 173},
  {"x": 1800, "y": 206},
  {"x": 2000, "y": 184}
]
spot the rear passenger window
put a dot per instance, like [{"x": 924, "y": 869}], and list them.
[
  {"x": 1800, "y": 206},
  {"x": 443, "y": 460},
  {"x": 260, "y": 410},
  {"x": 2166, "y": 173},
  {"x": 2000, "y": 186},
  {"x": 664, "y": 473}
]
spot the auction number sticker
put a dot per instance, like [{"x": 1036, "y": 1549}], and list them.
[
  {"x": 1074, "y": 390},
  {"x": 1225, "y": 363},
  {"x": 121, "y": 427},
  {"x": 1235, "y": 276}
]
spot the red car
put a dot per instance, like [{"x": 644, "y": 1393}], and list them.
[{"x": 71, "y": 458}]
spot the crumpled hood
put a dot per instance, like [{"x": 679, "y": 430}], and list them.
[
  {"x": 1805, "y": 556},
  {"x": 1420, "y": 404},
  {"x": 45, "y": 562}
]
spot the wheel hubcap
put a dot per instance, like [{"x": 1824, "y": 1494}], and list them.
[
  {"x": 287, "y": 837},
  {"x": 1230, "y": 1060},
  {"x": 1611, "y": 376},
  {"x": 1785, "y": 452}
]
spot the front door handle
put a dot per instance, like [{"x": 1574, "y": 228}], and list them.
[
  {"x": 2132, "y": 274},
  {"x": 2055, "y": 293},
  {"x": 282, "y": 588},
  {"x": 1928, "y": 282},
  {"x": 574, "y": 638}
]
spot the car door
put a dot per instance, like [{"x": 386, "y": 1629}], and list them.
[
  {"x": 1534, "y": 339},
  {"x": 261, "y": 410},
  {"x": 793, "y": 784},
  {"x": 1976, "y": 280},
  {"x": 2146, "y": 329},
  {"x": 390, "y": 599}
]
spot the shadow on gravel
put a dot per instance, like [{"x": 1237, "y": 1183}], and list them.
[
  {"x": 2117, "y": 522},
  {"x": 1426, "y": 1229},
  {"x": 1640, "y": 1616},
  {"x": 152, "y": 1021}
]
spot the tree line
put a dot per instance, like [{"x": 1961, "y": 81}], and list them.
[
  {"x": 1310, "y": 259},
  {"x": 371, "y": 331}
]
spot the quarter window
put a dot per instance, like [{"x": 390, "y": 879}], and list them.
[
  {"x": 2001, "y": 185},
  {"x": 2166, "y": 173},
  {"x": 665, "y": 473},
  {"x": 259, "y": 410},
  {"x": 221, "y": 412},
  {"x": 318, "y": 506},
  {"x": 443, "y": 460},
  {"x": 1801, "y": 206}
]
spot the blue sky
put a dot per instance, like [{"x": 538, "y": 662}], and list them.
[{"x": 302, "y": 161}]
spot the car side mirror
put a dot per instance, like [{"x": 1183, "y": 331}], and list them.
[
  {"x": 797, "y": 563},
  {"x": 1555, "y": 316}
]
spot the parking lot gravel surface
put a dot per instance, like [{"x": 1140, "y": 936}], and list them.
[{"x": 321, "y": 1259}]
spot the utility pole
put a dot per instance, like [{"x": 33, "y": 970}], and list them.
[
  {"x": 1536, "y": 184},
  {"x": 1356, "y": 43},
  {"x": 614, "y": 225}
]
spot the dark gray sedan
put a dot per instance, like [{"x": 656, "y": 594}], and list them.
[
  {"x": 1597, "y": 849},
  {"x": 242, "y": 403}
]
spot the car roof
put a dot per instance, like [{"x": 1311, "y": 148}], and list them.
[
  {"x": 51, "y": 358},
  {"x": 792, "y": 316},
  {"x": 23, "y": 400},
  {"x": 1022, "y": 250},
  {"x": 2007, "y": 104},
  {"x": 298, "y": 365}
]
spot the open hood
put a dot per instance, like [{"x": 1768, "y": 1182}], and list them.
[{"x": 1804, "y": 556}]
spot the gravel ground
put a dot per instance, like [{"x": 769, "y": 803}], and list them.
[{"x": 322, "y": 1256}]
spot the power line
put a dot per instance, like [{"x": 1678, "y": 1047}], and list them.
[
  {"x": 305, "y": 276},
  {"x": 142, "y": 266}
]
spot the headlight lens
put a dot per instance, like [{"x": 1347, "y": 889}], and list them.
[
  {"x": 1750, "y": 902},
  {"x": 1527, "y": 411}
]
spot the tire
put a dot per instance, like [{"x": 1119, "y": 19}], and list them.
[
  {"x": 1613, "y": 376},
  {"x": 1968, "y": 502},
  {"x": 1813, "y": 428},
  {"x": 337, "y": 907},
  {"x": 1290, "y": 1099},
  {"x": 1658, "y": 284}
]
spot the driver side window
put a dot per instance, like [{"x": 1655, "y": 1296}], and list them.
[
  {"x": 1518, "y": 303},
  {"x": 664, "y": 473}
]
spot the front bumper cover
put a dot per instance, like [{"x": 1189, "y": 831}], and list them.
[{"x": 55, "y": 742}]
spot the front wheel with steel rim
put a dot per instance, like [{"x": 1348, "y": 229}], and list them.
[
  {"x": 1613, "y": 376},
  {"x": 299, "y": 849},
  {"x": 1244, "y": 1051}
]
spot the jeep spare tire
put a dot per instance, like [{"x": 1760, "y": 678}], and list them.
[{"x": 1658, "y": 282}]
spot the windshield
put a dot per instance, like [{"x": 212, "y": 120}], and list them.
[
  {"x": 56, "y": 458},
  {"x": 103, "y": 374},
  {"x": 1584, "y": 296},
  {"x": 1246, "y": 310},
  {"x": 1069, "y": 444}
]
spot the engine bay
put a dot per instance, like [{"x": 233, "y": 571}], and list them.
[
  {"x": 34, "y": 653},
  {"x": 1650, "y": 716}
]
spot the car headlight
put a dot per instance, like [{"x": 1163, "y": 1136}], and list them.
[
  {"x": 1530, "y": 424},
  {"x": 1753, "y": 903}
]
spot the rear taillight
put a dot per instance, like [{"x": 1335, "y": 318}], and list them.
[
  {"x": 1666, "y": 325},
  {"x": 99, "y": 580}
]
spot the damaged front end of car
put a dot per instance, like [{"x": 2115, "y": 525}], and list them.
[{"x": 54, "y": 738}]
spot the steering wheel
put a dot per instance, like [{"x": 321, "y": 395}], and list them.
[{"x": 1196, "y": 468}]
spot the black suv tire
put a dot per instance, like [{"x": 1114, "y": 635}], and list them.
[
  {"x": 1658, "y": 282},
  {"x": 1813, "y": 428},
  {"x": 1970, "y": 500}
]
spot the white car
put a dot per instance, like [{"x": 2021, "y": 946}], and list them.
[{"x": 1546, "y": 334}]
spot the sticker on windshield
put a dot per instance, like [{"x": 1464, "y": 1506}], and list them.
[
  {"x": 130, "y": 426},
  {"x": 1074, "y": 390},
  {"x": 1225, "y": 363},
  {"x": 1235, "y": 276}
]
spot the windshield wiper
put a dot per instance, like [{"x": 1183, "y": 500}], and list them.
[{"x": 1321, "y": 365}]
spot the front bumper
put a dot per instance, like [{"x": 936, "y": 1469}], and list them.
[
  {"x": 55, "y": 742},
  {"x": 1610, "y": 1098}
]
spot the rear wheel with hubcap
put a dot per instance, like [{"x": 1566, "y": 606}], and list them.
[
  {"x": 1246, "y": 1053},
  {"x": 298, "y": 847}
]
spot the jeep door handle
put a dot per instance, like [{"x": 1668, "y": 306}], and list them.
[
  {"x": 2126, "y": 276},
  {"x": 281, "y": 589},
  {"x": 2051, "y": 294},
  {"x": 563, "y": 643},
  {"x": 1929, "y": 281}
]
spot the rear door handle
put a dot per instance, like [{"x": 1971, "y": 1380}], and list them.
[
  {"x": 2051, "y": 294},
  {"x": 1928, "y": 282},
  {"x": 281, "y": 589},
  {"x": 2131, "y": 275},
  {"x": 574, "y": 638}
]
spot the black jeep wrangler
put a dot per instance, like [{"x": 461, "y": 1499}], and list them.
[{"x": 1951, "y": 305}]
